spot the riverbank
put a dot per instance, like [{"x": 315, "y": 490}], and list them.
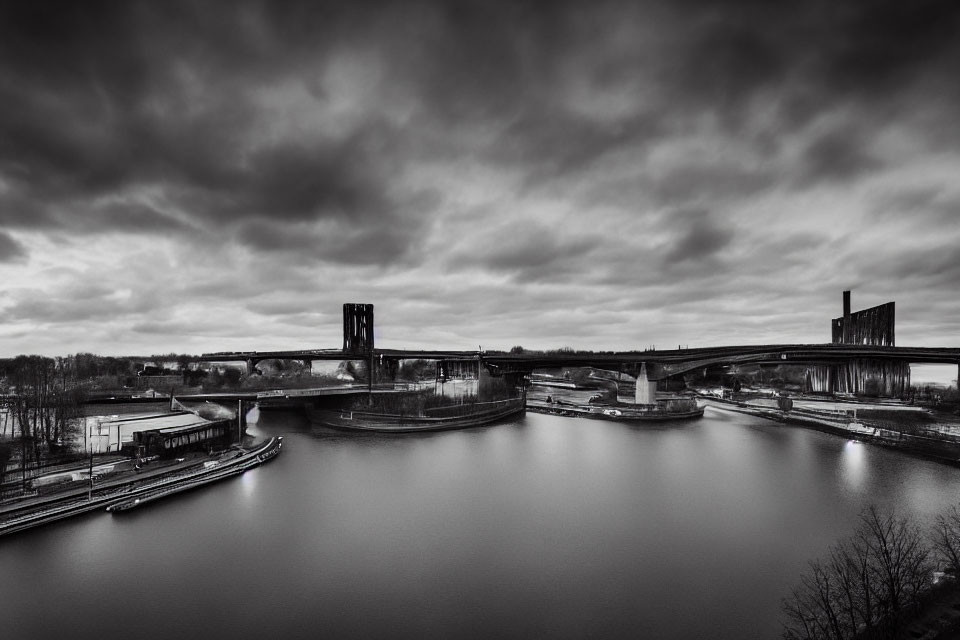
[
  {"x": 941, "y": 445},
  {"x": 134, "y": 486}
]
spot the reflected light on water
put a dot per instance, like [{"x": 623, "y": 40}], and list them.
[
  {"x": 248, "y": 481},
  {"x": 853, "y": 469}
]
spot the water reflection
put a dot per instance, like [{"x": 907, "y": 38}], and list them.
[
  {"x": 537, "y": 527},
  {"x": 852, "y": 465},
  {"x": 248, "y": 482}
]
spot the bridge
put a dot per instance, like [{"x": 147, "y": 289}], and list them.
[
  {"x": 660, "y": 363},
  {"x": 652, "y": 365},
  {"x": 862, "y": 347}
]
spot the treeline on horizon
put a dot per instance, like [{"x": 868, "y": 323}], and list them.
[
  {"x": 23, "y": 375},
  {"x": 84, "y": 366}
]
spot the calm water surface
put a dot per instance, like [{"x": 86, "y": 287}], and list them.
[{"x": 541, "y": 527}]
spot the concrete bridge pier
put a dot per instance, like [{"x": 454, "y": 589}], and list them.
[{"x": 646, "y": 389}]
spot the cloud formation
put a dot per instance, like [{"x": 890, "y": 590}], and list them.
[{"x": 200, "y": 176}]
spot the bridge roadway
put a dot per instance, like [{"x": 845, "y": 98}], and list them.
[
  {"x": 286, "y": 394},
  {"x": 659, "y": 364}
]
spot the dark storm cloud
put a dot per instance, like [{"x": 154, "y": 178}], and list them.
[
  {"x": 297, "y": 152},
  {"x": 727, "y": 60},
  {"x": 550, "y": 145},
  {"x": 10, "y": 249},
  {"x": 826, "y": 50},
  {"x": 346, "y": 243},
  {"x": 116, "y": 100},
  {"x": 880, "y": 46},
  {"x": 699, "y": 238},
  {"x": 528, "y": 251},
  {"x": 836, "y": 156},
  {"x": 96, "y": 101}
]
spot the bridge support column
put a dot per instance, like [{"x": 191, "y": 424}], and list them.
[
  {"x": 646, "y": 389},
  {"x": 251, "y": 367}
]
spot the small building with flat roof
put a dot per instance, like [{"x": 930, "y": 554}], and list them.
[{"x": 168, "y": 434}]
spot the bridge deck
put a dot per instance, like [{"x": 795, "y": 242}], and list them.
[
  {"x": 298, "y": 393},
  {"x": 659, "y": 363}
]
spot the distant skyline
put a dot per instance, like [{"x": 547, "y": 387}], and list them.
[{"x": 210, "y": 176}]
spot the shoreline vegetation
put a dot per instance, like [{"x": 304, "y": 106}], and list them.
[{"x": 888, "y": 579}]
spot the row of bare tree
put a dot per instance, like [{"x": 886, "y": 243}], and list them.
[
  {"x": 42, "y": 402},
  {"x": 874, "y": 581}
]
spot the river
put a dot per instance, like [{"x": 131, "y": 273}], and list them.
[{"x": 539, "y": 527}]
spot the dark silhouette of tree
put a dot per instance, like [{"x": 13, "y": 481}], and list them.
[
  {"x": 6, "y": 452},
  {"x": 232, "y": 376},
  {"x": 946, "y": 540},
  {"x": 866, "y": 586}
]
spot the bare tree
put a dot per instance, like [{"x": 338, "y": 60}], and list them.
[
  {"x": 866, "y": 585},
  {"x": 946, "y": 539},
  {"x": 6, "y": 452},
  {"x": 802, "y": 615},
  {"x": 900, "y": 563},
  {"x": 850, "y": 565}
]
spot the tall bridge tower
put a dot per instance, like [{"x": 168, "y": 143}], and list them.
[{"x": 358, "y": 328}]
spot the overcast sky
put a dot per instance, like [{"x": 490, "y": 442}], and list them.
[{"x": 202, "y": 176}]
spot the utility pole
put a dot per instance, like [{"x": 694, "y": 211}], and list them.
[
  {"x": 90, "y": 488},
  {"x": 370, "y": 377},
  {"x": 99, "y": 435}
]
